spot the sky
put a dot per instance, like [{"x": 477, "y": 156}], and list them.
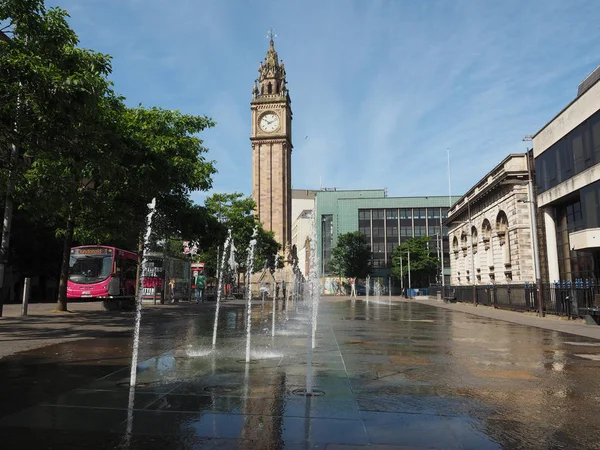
[{"x": 380, "y": 90}]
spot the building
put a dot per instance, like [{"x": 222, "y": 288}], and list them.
[
  {"x": 301, "y": 233},
  {"x": 490, "y": 228},
  {"x": 386, "y": 221},
  {"x": 567, "y": 160},
  {"x": 302, "y": 200},
  {"x": 303, "y": 205},
  {"x": 271, "y": 138}
]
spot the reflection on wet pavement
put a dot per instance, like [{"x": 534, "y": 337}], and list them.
[{"x": 401, "y": 375}]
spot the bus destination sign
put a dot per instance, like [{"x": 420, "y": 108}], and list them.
[{"x": 92, "y": 251}]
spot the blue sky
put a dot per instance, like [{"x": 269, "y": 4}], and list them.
[{"x": 380, "y": 89}]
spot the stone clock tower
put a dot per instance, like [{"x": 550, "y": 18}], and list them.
[{"x": 271, "y": 139}]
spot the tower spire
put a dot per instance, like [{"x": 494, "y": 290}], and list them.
[{"x": 271, "y": 72}]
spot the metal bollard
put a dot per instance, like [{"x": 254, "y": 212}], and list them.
[{"x": 25, "y": 296}]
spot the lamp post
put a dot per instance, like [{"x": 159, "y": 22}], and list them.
[
  {"x": 441, "y": 253},
  {"x": 534, "y": 238}
]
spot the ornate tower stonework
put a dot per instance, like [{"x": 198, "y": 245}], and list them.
[{"x": 271, "y": 138}]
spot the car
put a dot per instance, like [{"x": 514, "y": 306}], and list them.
[{"x": 361, "y": 289}]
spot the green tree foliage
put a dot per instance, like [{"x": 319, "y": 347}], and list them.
[
  {"x": 351, "y": 256},
  {"x": 236, "y": 212},
  {"x": 423, "y": 263},
  {"x": 93, "y": 164}
]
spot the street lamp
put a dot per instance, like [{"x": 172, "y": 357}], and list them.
[
  {"x": 441, "y": 252},
  {"x": 533, "y": 230}
]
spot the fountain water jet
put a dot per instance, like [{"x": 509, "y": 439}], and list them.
[
  {"x": 274, "y": 293},
  {"x": 220, "y": 288},
  {"x": 367, "y": 287},
  {"x": 138, "y": 309},
  {"x": 250, "y": 268},
  {"x": 313, "y": 289}
]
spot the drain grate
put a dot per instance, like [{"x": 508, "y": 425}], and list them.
[
  {"x": 303, "y": 393},
  {"x": 220, "y": 389},
  {"x": 313, "y": 364},
  {"x": 243, "y": 361}
]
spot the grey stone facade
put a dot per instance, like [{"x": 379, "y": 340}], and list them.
[{"x": 490, "y": 228}]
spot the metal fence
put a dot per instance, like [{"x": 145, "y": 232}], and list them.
[{"x": 573, "y": 299}]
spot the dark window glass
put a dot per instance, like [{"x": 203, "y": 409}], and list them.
[
  {"x": 378, "y": 214},
  {"x": 391, "y": 230},
  {"x": 595, "y": 135},
  {"x": 571, "y": 155},
  {"x": 405, "y": 214},
  {"x": 587, "y": 144},
  {"x": 590, "y": 198},
  {"x": 433, "y": 230},
  {"x": 578, "y": 150},
  {"x": 406, "y": 231},
  {"x": 364, "y": 214},
  {"x": 391, "y": 214}
]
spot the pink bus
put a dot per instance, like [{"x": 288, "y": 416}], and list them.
[{"x": 97, "y": 271}]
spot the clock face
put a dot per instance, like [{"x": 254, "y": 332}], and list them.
[{"x": 269, "y": 122}]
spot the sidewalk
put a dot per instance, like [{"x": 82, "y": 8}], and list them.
[
  {"x": 85, "y": 320},
  {"x": 549, "y": 322}
]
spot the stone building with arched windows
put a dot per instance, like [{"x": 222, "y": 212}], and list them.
[{"x": 490, "y": 228}]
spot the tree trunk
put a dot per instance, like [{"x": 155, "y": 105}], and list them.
[
  {"x": 6, "y": 224},
  {"x": 61, "y": 304}
]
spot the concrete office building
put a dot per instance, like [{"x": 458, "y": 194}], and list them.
[
  {"x": 386, "y": 221},
  {"x": 567, "y": 159}
]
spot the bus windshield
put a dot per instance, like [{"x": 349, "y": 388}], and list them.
[{"x": 87, "y": 269}]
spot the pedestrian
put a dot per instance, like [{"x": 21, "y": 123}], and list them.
[
  {"x": 353, "y": 287},
  {"x": 200, "y": 282},
  {"x": 172, "y": 290},
  {"x": 283, "y": 288},
  {"x": 276, "y": 289}
]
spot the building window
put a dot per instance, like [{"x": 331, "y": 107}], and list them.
[
  {"x": 575, "y": 152},
  {"x": 590, "y": 198},
  {"x": 406, "y": 214},
  {"x": 433, "y": 231},
  {"x": 391, "y": 214},
  {"x": 420, "y": 231},
  {"x": 433, "y": 213},
  {"x": 406, "y": 231}
]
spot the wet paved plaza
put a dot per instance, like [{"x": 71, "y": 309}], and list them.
[{"x": 399, "y": 375}]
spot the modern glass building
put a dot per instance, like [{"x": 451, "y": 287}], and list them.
[
  {"x": 385, "y": 221},
  {"x": 567, "y": 161}
]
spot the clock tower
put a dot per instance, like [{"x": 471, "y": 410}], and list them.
[{"x": 271, "y": 139}]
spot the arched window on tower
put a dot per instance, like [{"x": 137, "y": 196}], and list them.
[{"x": 269, "y": 88}]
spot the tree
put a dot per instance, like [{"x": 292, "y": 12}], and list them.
[
  {"x": 423, "y": 263},
  {"x": 236, "y": 212},
  {"x": 55, "y": 98},
  {"x": 351, "y": 256},
  {"x": 95, "y": 164}
]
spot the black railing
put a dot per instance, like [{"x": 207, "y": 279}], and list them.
[{"x": 565, "y": 298}]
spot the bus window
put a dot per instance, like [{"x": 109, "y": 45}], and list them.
[{"x": 87, "y": 269}]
